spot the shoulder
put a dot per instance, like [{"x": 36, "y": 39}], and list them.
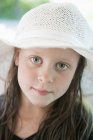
[
  {"x": 1, "y": 99},
  {"x": 91, "y": 136},
  {"x": 84, "y": 121},
  {"x": 1, "y": 102}
]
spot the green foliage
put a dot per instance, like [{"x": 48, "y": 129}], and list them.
[{"x": 14, "y": 9}]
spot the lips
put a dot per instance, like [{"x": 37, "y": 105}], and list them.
[{"x": 42, "y": 92}]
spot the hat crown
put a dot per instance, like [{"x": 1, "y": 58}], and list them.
[{"x": 63, "y": 18}]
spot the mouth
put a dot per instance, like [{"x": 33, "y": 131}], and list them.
[{"x": 42, "y": 92}]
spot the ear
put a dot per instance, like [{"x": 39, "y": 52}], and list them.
[{"x": 16, "y": 59}]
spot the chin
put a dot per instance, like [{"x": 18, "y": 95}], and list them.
[{"x": 39, "y": 104}]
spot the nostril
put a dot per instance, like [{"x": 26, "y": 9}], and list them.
[{"x": 45, "y": 79}]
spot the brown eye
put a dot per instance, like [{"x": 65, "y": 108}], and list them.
[
  {"x": 36, "y": 60},
  {"x": 62, "y": 66}
]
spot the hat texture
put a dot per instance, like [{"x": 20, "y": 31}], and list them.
[{"x": 53, "y": 25}]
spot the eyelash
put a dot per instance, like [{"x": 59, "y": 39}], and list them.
[{"x": 64, "y": 66}]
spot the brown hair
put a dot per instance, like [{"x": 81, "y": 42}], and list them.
[{"x": 67, "y": 118}]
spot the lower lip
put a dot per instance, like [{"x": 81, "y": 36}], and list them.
[{"x": 42, "y": 93}]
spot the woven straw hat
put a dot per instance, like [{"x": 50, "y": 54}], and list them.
[{"x": 51, "y": 25}]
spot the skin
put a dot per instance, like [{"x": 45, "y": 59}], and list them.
[{"x": 39, "y": 69}]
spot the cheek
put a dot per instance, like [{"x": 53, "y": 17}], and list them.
[
  {"x": 64, "y": 83},
  {"x": 26, "y": 76}
]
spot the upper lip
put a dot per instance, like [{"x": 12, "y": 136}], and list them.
[{"x": 43, "y": 90}]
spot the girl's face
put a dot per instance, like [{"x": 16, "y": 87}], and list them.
[{"x": 44, "y": 75}]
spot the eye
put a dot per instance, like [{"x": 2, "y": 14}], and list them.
[
  {"x": 62, "y": 66},
  {"x": 36, "y": 60}
]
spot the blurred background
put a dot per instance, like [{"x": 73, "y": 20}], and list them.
[
  {"x": 10, "y": 13},
  {"x": 12, "y": 10}
]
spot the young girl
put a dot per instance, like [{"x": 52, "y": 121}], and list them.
[{"x": 51, "y": 59}]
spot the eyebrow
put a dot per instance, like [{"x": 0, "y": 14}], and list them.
[
  {"x": 65, "y": 60},
  {"x": 35, "y": 51}
]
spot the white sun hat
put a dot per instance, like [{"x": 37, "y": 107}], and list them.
[{"x": 52, "y": 25}]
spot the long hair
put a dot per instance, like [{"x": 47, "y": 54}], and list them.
[{"x": 67, "y": 118}]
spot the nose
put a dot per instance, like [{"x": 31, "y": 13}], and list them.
[{"x": 46, "y": 75}]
